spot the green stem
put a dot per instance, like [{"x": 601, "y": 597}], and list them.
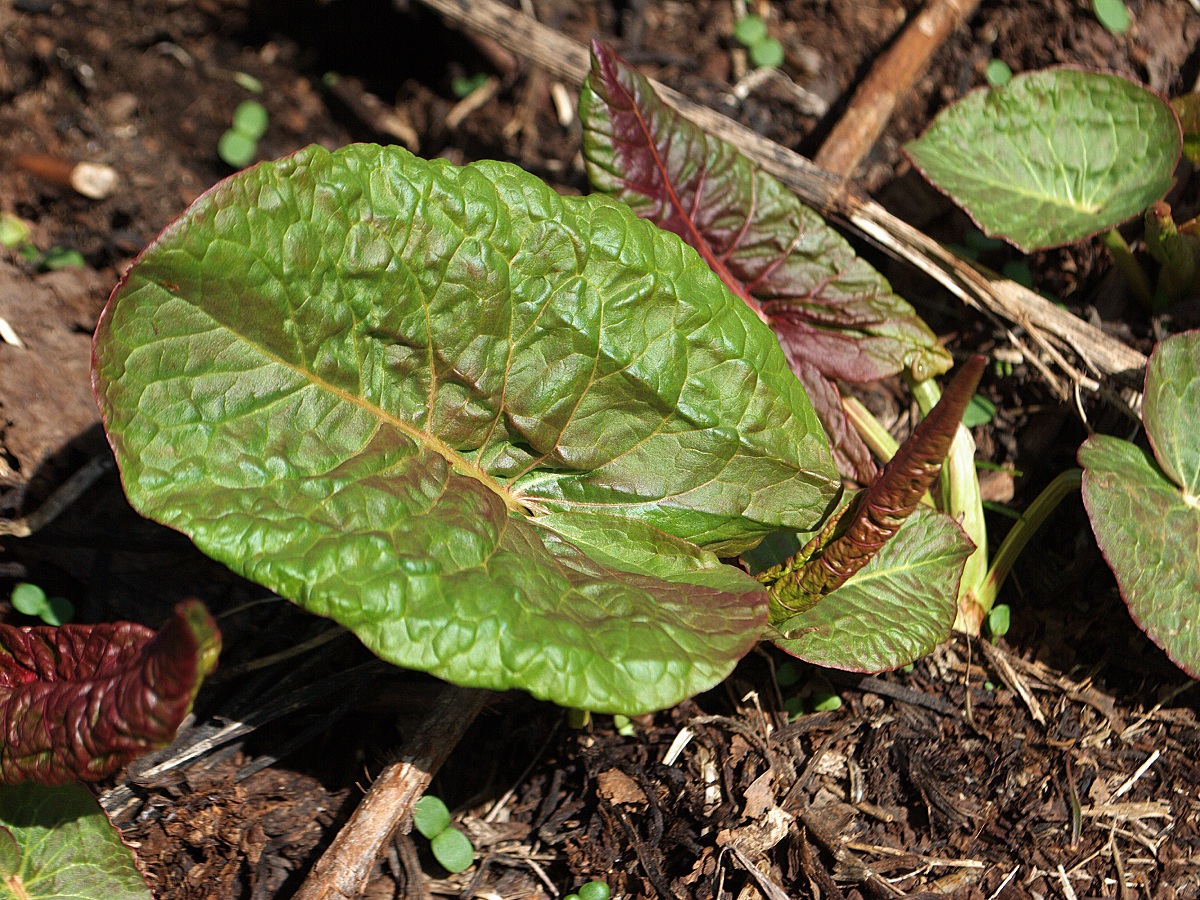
[
  {"x": 1025, "y": 528},
  {"x": 1135, "y": 276},
  {"x": 961, "y": 499}
]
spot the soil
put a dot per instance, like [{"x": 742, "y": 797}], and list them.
[{"x": 1061, "y": 762}]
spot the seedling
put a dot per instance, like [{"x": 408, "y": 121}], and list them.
[
  {"x": 451, "y": 848},
  {"x": 464, "y": 87},
  {"x": 999, "y": 619},
  {"x": 998, "y": 73},
  {"x": 624, "y": 726},
  {"x": 238, "y": 146},
  {"x": 1113, "y": 15},
  {"x": 592, "y": 890},
  {"x": 31, "y": 600},
  {"x": 764, "y": 50}
]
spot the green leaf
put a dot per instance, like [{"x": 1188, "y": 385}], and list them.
[
  {"x": 1052, "y": 156},
  {"x": 767, "y": 53},
  {"x": 1113, "y": 15},
  {"x": 29, "y": 599},
  {"x": 595, "y": 890},
  {"x": 453, "y": 850},
  {"x": 479, "y": 424},
  {"x": 56, "y": 843},
  {"x": 430, "y": 816},
  {"x": 250, "y": 119},
  {"x": 895, "y": 610},
  {"x": 236, "y": 149},
  {"x": 834, "y": 315},
  {"x": 998, "y": 72},
  {"x": 749, "y": 30},
  {"x": 979, "y": 411},
  {"x": 1145, "y": 510}
]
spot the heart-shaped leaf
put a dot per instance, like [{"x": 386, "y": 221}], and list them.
[
  {"x": 1052, "y": 156},
  {"x": 835, "y": 316},
  {"x": 80, "y": 701},
  {"x": 487, "y": 428},
  {"x": 1145, "y": 510},
  {"x": 895, "y": 610},
  {"x": 59, "y": 845}
]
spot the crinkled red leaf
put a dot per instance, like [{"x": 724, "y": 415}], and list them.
[
  {"x": 829, "y": 308},
  {"x": 880, "y": 510},
  {"x": 80, "y": 701}
]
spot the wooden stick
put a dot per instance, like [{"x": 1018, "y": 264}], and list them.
[
  {"x": 342, "y": 871},
  {"x": 839, "y": 200},
  {"x": 892, "y": 76}
]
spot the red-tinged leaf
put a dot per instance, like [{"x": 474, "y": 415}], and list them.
[
  {"x": 851, "y": 455},
  {"x": 828, "y": 308},
  {"x": 80, "y": 701},
  {"x": 879, "y": 511}
]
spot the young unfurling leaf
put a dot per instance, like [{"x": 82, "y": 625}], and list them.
[{"x": 80, "y": 701}]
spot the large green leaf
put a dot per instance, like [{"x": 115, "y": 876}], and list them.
[
  {"x": 895, "y": 610},
  {"x": 464, "y": 417},
  {"x": 1052, "y": 156},
  {"x": 834, "y": 315},
  {"x": 1145, "y": 510},
  {"x": 57, "y": 844}
]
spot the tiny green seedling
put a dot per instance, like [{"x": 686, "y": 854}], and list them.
[
  {"x": 451, "y": 848},
  {"x": 31, "y": 600},
  {"x": 998, "y": 72},
  {"x": 999, "y": 619},
  {"x": 593, "y": 890},
  {"x": 765, "y": 52},
  {"x": 1113, "y": 15},
  {"x": 239, "y": 144},
  {"x": 464, "y": 86},
  {"x": 624, "y": 726}
]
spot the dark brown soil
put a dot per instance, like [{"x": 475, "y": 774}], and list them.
[{"x": 1062, "y": 763}]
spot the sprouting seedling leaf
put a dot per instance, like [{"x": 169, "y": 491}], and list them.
[
  {"x": 430, "y": 816},
  {"x": 80, "y": 701},
  {"x": 1113, "y": 15},
  {"x": 31, "y": 600},
  {"x": 998, "y": 72},
  {"x": 453, "y": 850},
  {"x": 1145, "y": 507},
  {"x": 749, "y": 30},
  {"x": 834, "y": 315},
  {"x": 250, "y": 119},
  {"x": 498, "y": 433},
  {"x": 876, "y": 515},
  {"x": 1052, "y": 156},
  {"x": 57, "y": 844},
  {"x": 767, "y": 53}
]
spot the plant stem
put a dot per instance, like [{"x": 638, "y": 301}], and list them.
[
  {"x": 1135, "y": 276},
  {"x": 961, "y": 499},
  {"x": 1025, "y": 528}
]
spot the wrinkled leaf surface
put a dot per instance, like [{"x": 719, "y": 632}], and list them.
[
  {"x": 835, "y": 316},
  {"x": 57, "y": 844},
  {"x": 494, "y": 431},
  {"x": 895, "y": 610},
  {"x": 1053, "y": 156},
  {"x": 80, "y": 701},
  {"x": 1145, "y": 509}
]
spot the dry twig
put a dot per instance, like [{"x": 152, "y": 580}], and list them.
[{"x": 341, "y": 873}]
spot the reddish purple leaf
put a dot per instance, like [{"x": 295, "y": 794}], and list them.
[
  {"x": 80, "y": 701},
  {"x": 879, "y": 511},
  {"x": 831, "y": 311}
]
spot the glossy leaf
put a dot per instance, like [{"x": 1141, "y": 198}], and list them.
[
  {"x": 1052, "y": 156},
  {"x": 57, "y": 844},
  {"x": 494, "y": 431},
  {"x": 430, "y": 816},
  {"x": 453, "y": 850},
  {"x": 897, "y": 609},
  {"x": 1145, "y": 509},
  {"x": 831, "y": 311},
  {"x": 80, "y": 701},
  {"x": 877, "y": 514}
]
